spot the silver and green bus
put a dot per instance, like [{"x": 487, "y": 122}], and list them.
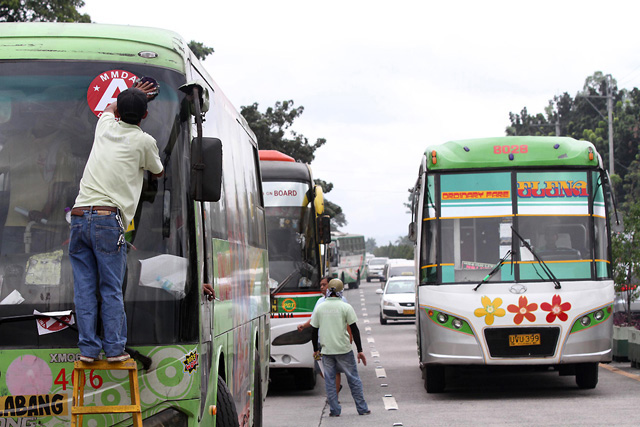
[
  {"x": 347, "y": 258},
  {"x": 294, "y": 207},
  {"x": 201, "y": 362},
  {"x": 513, "y": 257}
]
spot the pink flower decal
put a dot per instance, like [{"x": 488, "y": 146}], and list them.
[
  {"x": 556, "y": 309},
  {"x": 523, "y": 310}
]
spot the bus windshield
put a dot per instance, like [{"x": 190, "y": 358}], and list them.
[
  {"x": 560, "y": 214},
  {"x": 46, "y": 131},
  {"x": 292, "y": 249}
]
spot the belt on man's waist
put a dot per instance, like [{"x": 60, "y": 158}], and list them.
[{"x": 100, "y": 210}]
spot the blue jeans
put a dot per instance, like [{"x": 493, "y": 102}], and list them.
[
  {"x": 343, "y": 363},
  {"x": 99, "y": 264}
]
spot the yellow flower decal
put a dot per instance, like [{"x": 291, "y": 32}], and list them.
[{"x": 490, "y": 309}]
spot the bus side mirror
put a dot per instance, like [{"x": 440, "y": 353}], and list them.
[
  {"x": 324, "y": 229},
  {"x": 206, "y": 175},
  {"x": 413, "y": 236}
]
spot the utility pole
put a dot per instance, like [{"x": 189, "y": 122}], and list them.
[{"x": 610, "y": 116}]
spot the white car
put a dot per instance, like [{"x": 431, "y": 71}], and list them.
[
  {"x": 375, "y": 266},
  {"x": 398, "y": 299}
]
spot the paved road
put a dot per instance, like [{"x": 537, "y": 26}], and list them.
[{"x": 395, "y": 393}]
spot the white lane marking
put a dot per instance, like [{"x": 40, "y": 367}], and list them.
[
  {"x": 366, "y": 320},
  {"x": 375, "y": 354},
  {"x": 381, "y": 373},
  {"x": 364, "y": 314},
  {"x": 370, "y": 339},
  {"x": 389, "y": 402},
  {"x": 367, "y": 328}
]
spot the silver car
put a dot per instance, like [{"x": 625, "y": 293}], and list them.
[{"x": 398, "y": 299}]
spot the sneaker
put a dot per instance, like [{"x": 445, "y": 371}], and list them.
[
  {"x": 366, "y": 413},
  {"x": 120, "y": 358},
  {"x": 87, "y": 359},
  {"x": 334, "y": 415}
]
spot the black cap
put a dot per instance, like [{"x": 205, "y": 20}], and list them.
[{"x": 132, "y": 104}]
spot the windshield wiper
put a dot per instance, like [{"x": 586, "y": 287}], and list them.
[
  {"x": 495, "y": 270},
  {"x": 546, "y": 269}
]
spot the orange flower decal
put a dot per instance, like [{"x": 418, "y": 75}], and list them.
[
  {"x": 523, "y": 310},
  {"x": 556, "y": 309},
  {"x": 490, "y": 309}
]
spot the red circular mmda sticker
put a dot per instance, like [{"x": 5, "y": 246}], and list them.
[{"x": 104, "y": 89}]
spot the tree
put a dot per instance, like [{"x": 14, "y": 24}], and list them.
[
  {"x": 402, "y": 249},
  {"x": 585, "y": 117},
  {"x": 273, "y": 130},
  {"x": 370, "y": 245},
  {"x": 626, "y": 257},
  {"x": 200, "y": 50},
  {"x": 334, "y": 211},
  {"x": 42, "y": 11}
]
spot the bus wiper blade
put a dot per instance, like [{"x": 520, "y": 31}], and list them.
[
  {"x": 545, "y": 267},
  {"x": 283, "y": 283},
  {"x": 494, "y": 271}
]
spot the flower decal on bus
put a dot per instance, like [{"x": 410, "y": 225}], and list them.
[
  {"x": 523, "y": 310},
  {"x": 490, "y": 309},
  {"x": 556, "y": 309}
]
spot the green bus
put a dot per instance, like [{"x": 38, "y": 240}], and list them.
[
  {"x": 513, "y": 257},
  {"x": 200, "y": 362},
  {"x": 347, "y": 258}
]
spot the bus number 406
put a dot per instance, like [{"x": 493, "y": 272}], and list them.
[{"x": 94, "y": 379}]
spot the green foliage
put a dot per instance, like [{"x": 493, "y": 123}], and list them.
[
  {"x": 273, "y": 130},
  {"x": 370, "y": 245},
  {"x": 402, "y": 249},
  {"x": 200, "y": 50},
  {"x": 626, "y": 256},
  {"x": 42, "y": 11},
  {"x": 585, "y": 117}
]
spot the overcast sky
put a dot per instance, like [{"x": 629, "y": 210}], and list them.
[{"x": 382, "y": 80}]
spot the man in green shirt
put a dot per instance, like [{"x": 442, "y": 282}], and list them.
[{"x": 331, "y": 319}]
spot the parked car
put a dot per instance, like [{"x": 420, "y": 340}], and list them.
[
  {"x": 398, "y": 299},
  {"x": 375, "y": 266}
]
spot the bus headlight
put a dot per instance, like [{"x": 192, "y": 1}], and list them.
[
  {"x": 457, "y": 323},
  {"x": 442, "y": 318},
  {"x": 599, "y": 315},
  {"x": 592, "y": 319},
  {"x": 585, "y": 321}
]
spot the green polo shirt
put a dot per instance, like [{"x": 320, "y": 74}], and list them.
[{"x": 331, "y": 318}]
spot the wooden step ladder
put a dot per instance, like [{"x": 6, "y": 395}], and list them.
[{"x": 78, "y": 409}]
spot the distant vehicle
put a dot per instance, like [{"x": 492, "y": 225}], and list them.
[
  {"x": 398, "y": 299},
  {"x": 375, "y": 266},
  {"x": 346, "y": 258},
  {"x": 398, "y": 267}
]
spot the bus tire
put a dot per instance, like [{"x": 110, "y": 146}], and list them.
[
  {"x": 587, "y": 375},
  {"x": 305, "y": 378},
  {"x": 257, "y": 392},
  {"x": 434, "y": 381},
  {"x": 226, "y": 415}
]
